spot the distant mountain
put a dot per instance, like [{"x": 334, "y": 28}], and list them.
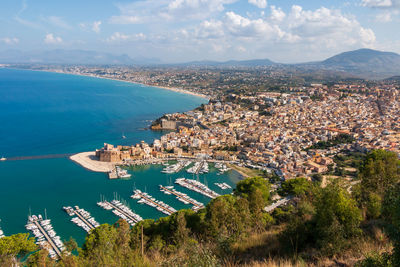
[
  {"x": 365, "y": 63},
  {"x": 60, "y": 56},
  {"x": 230, "y": 63}
]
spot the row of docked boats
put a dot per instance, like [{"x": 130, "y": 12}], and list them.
[
  {"x": 199, "y": 167},
  {"x": 197, "y": 187},
  {"x": 222, "y": 168},
  {"x": 83, "y": 219},
  {"x": 145, "y": 198},
  {"x": 223, "y": 186},
  {"x": 121, "y": 210},
  {"x": 122, "y": 173},
  {"x": 45, "y": 235},
  {"x": 182, "y": 197},
  {"x": 174, "y": 168}
]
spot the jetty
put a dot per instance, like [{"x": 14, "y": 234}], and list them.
[
  {"x": 169, "y": 190},
  {"x": 46, "y": 236},
  {"x": 121, "y": 210},
  {"x": 197, "y": 187},
  {"x": 83, "y": 219},
  {"x": 149, "y": 200}
]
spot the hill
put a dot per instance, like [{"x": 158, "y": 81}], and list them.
[{"x": 365, "y": 63}]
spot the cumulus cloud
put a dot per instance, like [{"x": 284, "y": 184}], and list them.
[
  {"x": 259, "y": 3},
  {"x": 277, "y": 14},
  {"x": 51, "y": 39},
  {"x": 96, "y": 26},
  {"x": 10, "y": 40},
  {"x": 144, "y": 11}
]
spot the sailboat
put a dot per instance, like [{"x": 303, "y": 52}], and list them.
[
  {"x": 123, "y": 136},
  {"x": 3, "y": 159}
]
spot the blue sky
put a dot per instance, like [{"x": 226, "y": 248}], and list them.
[{"x": 185, "y": 30}]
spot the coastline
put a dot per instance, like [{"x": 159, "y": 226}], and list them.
[{"x": 174, "y": 89}]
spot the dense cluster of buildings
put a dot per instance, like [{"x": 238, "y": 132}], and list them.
[{"x": 276, "y": 129}]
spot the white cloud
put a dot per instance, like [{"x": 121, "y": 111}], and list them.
[
  {"x": 124, "y": 19},
  {"x": 259, "y": 3},
  {"x": 118, "y": 37},
  {"x": 51, "y": 39},
  {"x": 150, "y": 11},
  {"x": 96, "y": 26},
  {"x": 10, "y": 40},
  {"x": 57, "y": 21},
  {"x": 277, "y": 14},
  {"x": 377, "y": 3}
]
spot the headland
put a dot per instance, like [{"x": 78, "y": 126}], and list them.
[{"x": 89, "y": 161}]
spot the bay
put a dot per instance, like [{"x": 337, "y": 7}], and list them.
[{"x": 45, "y": 113}]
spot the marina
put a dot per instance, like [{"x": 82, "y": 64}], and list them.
[
  {"x": 221, "y": 167},
  {"x": 182, "y": 197},
  {"x": 144, "y": 198},
  {"x": 83, "y": 219},
  {"x": 121, "y": 210},
  {"x": 197, "y": 187},
  {"x": 45, "y": 235}
]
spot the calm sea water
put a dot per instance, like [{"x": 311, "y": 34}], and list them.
[{"x": 49, "y": 113}]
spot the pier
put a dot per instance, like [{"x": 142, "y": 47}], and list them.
[
  {"x": 83, "y": 218},
  {"x": 48, "y": 239},
  {"x": 121, "y": 211},
  {"x": 46, "y": 236},
  {"x": 182, "y": 197},
  {"x": 149, "y": 200},
  {"x": 197, "y": 187},
  {"x": 52, "y": 156}
]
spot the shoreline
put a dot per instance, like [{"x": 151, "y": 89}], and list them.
[{"x": 173, "y": 89}]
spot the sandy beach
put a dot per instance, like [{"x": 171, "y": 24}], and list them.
[{"x": 89, "y": 161}]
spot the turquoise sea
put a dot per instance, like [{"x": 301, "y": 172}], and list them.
[{"x": 45, "y": 113}]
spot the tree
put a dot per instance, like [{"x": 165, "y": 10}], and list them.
[
  {"x": 245, "y": 187},
  {"x": 295, "y": 187},
  {"x": 15, "y": 246},
  {"x": 380, "y": 170},
  {"x": 336, "y": 219}
]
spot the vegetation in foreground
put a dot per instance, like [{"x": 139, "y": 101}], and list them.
[{"x": 327, "y": 226}]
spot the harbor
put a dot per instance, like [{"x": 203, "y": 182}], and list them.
[
  {"x": 197, "y": 187},
  {"x": 184, "y": 198},
  {"x": 45, "y": 235},
  {"x": 120, "y": 210},
  {"x": 144, "y": 198},
  {"x": 83, "y": 219}
]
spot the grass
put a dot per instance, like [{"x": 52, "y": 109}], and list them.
[{"x": 246, "y": 172}]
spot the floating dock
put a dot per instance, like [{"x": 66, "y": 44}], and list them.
[
  {"x": 121, "y": 211},
  {"x": 46, "y": 236},
  {"x": 197, "y": 187},
  {"x": 182, "y": 197},
  {"x": 83, "y": 219},
  {"x": 149, "y": 200}
]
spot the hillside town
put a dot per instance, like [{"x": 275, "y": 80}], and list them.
[{"x": 276, "y": 131}]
